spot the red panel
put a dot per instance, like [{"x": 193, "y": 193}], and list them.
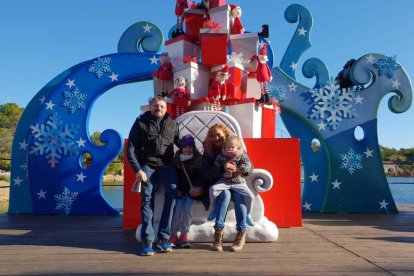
[
  {"x": 281, "y": 158},
  {"x": 132, "y": 201},
  {"x": 278, "y": 156},
  {"x": 268, "y": 123},
  {"x": 213, "y": 49}
]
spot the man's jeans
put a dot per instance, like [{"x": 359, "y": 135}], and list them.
[
  {"x": 221, "y": 205},
  {"x": 167, "y": 177}
]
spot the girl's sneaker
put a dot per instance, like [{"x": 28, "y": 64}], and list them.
[
  {"x": 183, "y": 241},
  {"x": 173, "y": 240}
]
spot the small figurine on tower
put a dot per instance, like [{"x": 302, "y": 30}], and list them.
[
  {"x": 218, "y": 88},
  {"x": 236, "y": 25},
  {"x": 263, "y": 74},
  {"x": 204, "y": 5},
  {"x": 181, "y": 96},
  {"x": 164, "y": 73},
  {"x": 180, "y": 6}
]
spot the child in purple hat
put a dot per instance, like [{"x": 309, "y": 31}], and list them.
[{"x": 188, "y": 162}]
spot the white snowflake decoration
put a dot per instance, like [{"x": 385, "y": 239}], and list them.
[
  {"x": 351, "y": 161},
  {"x": 65, "y": 200},
  {"x": 54, "y": 139},
  {"x": 387, "y": 66},
  {"x": 74, "y": 100},
  {"x": 100, "y": 66},
  {"x": 278, "y": 92},
  {"x": 333, "y": 103}
]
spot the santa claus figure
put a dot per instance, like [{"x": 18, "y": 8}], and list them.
[
  {"x": 263, "y": 74},
  {"x": 218, "y": 89},
  {"x": 180, "y": 96},
  {"x": 236, "y": 25},
  {"x": 164, "y": 73},
  {"x": 180, "y": 6}
]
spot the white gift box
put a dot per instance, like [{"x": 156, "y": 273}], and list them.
[
  {"x": 180, "y": 47},
  {"x": 245, "y": 46},
  {"x": 253, "y": 87},
  {"x": 197, "y": 77},
  {"x": 221, "y": 15},
  {"x": 249, "y": 117}
]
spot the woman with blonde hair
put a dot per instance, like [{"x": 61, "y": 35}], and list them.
[{"x": 213, "y": 145}]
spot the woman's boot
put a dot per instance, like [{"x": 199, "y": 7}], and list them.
[
  {"x": 239, "y": 241},
  {"x": 218, "y": 239}
]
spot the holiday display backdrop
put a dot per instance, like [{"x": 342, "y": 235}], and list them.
[{"x": 344, "y": 175}]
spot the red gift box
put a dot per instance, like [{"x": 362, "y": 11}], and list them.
[
  {"x": 237, "y": 83},
  {"x": 217, "y": 3},
  {"x": 193, "y": 19},
  {"x": 268, "y": 122},
  {"x": 213, "y": 48}
]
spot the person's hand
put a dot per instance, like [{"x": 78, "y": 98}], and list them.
[
  {"x": 230, "y": 167},
  {"x": 236, "y": 173},
  {"x": 141, "y": 176}
]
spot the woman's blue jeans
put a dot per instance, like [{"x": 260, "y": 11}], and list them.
[
  {"x": 222, "y": 204},
  {"x": 167, "y": 177}
]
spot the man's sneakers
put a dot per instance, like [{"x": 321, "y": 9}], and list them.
[
  {"x": 164, "y": 245},
  {"x": 146, "y": 249}
]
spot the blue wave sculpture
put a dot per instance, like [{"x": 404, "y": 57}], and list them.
[
  {"x": 52, "y": 137},
  {"x": 343, "y": 173}
]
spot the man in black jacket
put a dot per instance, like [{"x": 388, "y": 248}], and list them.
[{"x": 150, "y": 152}]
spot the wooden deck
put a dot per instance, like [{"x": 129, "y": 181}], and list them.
[{"x": 325, "y": 245}]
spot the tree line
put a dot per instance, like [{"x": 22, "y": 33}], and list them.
[
  {"x": 403, "y": 158},
  {"x": 10, "y": 114}
]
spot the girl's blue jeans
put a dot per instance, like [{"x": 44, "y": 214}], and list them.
[{"x": 221, "y": 205}]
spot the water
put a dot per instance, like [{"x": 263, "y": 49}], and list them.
[
  {"x": 115, "y": 197},
  {"x": 402, "y": 189}
]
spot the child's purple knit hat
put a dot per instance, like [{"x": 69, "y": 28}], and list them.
[{"x": 187, "y": 140}]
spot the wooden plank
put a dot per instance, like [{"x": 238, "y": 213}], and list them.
[{"x": 325, "y": 245}]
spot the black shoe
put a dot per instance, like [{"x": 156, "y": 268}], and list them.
[
  {"x": 265, "y": 31},
  {"x": 267, "y": 99},
  {"x": 260, "y": 100}
]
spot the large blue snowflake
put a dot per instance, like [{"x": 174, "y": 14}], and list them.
[
  {"x": 278, "y": 92},
  {"x": 351, "y": 161},
  {"x": 53, "y": 139},
  {"x": 332, "y": 103},
  {"x": 74, "y": 100},
  {"x": 65, "y": 200},
  {"x": 100, "y": 66},
  {"x": 387, "y": 66}
]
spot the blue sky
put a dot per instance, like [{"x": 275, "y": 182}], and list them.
[{"x": 40, "y": 39}]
